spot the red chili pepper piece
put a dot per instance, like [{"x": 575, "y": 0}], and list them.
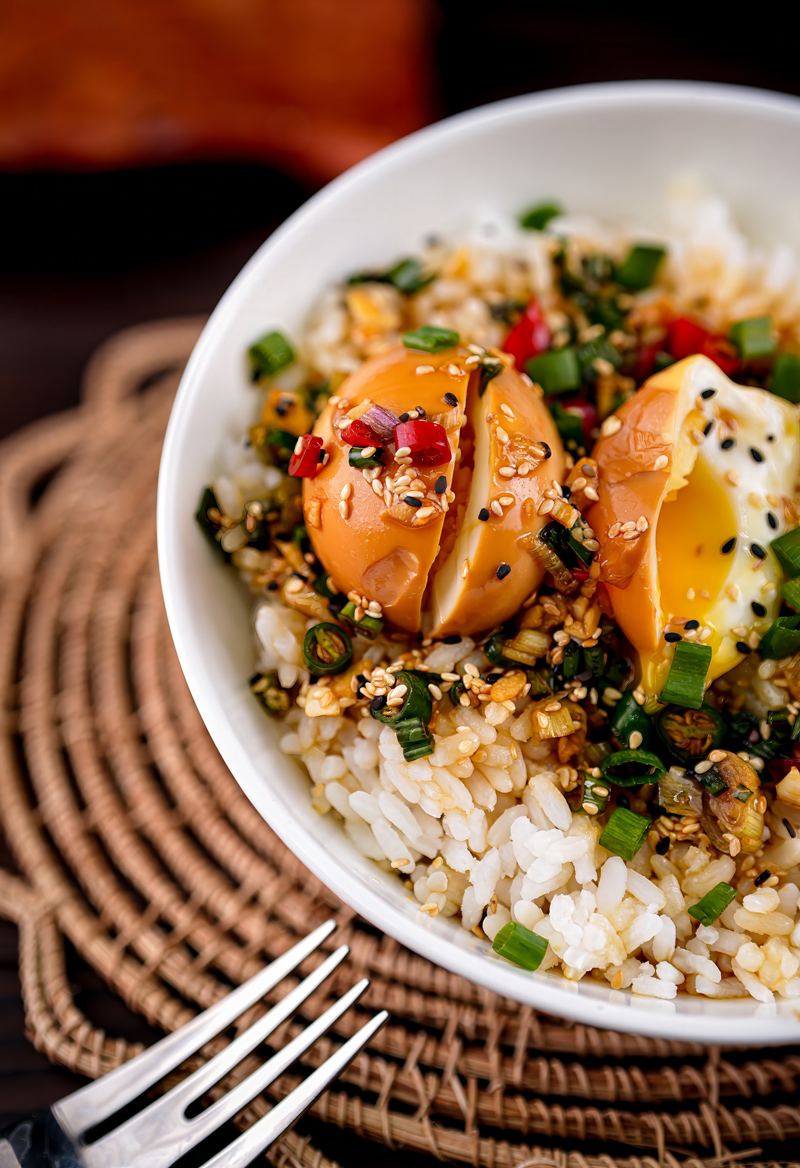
[
  {"x": 686, "y": 337},
  {"x": 304, "y": 463},
  {"x": 579, "y": 574},
  {"x": 530, "y": 337},
  {"x": 426, "y": 441},
  {"x": 646, "y": 361},
  {"x": 722, "y": 353},
  {"x": 360, "y": 434}
]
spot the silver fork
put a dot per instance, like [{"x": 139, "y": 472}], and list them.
[{"x": 159, "y": 1134}]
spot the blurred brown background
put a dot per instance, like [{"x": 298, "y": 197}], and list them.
[{"x": 147, "y": 147}]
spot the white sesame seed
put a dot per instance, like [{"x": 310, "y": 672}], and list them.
[
  {"x": 592, "y": 494},
  {"x": 346, "y": 491},
  {"x": 403, "y": 452},
  {"x": 545, "y": 507},
  {"x": 422, "y": 369},
  {"x": 368, "y": 451},
  {"x": 502, "y": 436},
  {"x": 495, "y": 507},
  {"x": 613, "y": 530},
  {"x": 610, "y": 426},
  {"x": 344, "y": 509},
  {"x": 424, "y": 512},
  {"x": 661, "y": 462},
  {"x": 506, "y": 500},
  {"x": 507, "y": 411},
  {"x": 464, "y": 569},
  {"x": 635, "y": 740},
  {"x": 641, "y": 523},
  {"x": 506, "y": 472}
]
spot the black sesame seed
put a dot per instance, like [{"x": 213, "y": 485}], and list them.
[
  {"x": 662, "y": 847},
  {"x": 272, "y": 586},
  {"x": 361, "y": 679},
  {"x": 440, "y": 486},
  {"x": 770, "y": 437},
  {"x": 378, "y": 703},
  {"x": 566, "y": 492},
  {"x": 493, "y": 677},
  {"x": 790, "y": 828},
  {"x": 709, "y": 428},
  {"x": 450, "y": 398},
  {"x": 404, "y": 417},
  {"x": 756, "y": 455},
  {"x": 761, "y": 877},
  {"x": 757, "y": 608},
  {"x": 412, "y": 502},
  {"x": 728, "y": 443},
  {"x": 453, "y": 639},
  {"x": 758, "y": 551},
  {"x": 546, "y": 449},
  {"x": 420, "y": 412},
  {"x": 707, "y": 393},
  {"x": 691, "y": 624},
  {"x": 772, "y": 521},
  {"x": 623, "y": 801},
  {"x": 483, "y": 514},
  {"x": 503, "y": 571},
  {"x": 743, "y": 647},
  {"x": 672, "y": 637},
  {"x": 728, "y": 546}
]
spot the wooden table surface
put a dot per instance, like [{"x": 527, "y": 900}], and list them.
[{"x": 86, "y": 255}]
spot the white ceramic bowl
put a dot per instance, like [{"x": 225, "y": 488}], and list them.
[{"x": 607, "y": 150}]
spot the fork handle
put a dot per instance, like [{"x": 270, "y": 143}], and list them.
[{"x": 37, "y": 1142}]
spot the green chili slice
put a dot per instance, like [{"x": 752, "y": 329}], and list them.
[
  {"x": 686, "y": 681},
  {"x": 640, "y": 267},
  {"x": 557, "y": 371},
  {"x": 520, "y": 945},
  {"x": 417, "y": 702},
  {"x": 627, "y": 718},
  {"x": 594, "y": 795},
  {"x": 713, "y": 904},
  {"x": 753, "y": 337},
  {"x": 367, "y": 626},
  {"x": 690, "y": 734},
  {"x": 624, "y": 833},
  {"x": 270, "y": 354},
  {"x": 327, "y": 649},
  {"x": 431, "y": 339},
  {"x": 270, "y": 693},
  {"x": 569, "y": 550},
  {"x": 631, "y": 768}
]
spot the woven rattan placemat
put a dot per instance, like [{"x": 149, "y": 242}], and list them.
[{"x": 135, "y": 844}]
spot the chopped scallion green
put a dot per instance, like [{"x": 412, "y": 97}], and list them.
[
  {"x": 624, "y": 833},
  {"x": 786, "y": 377},
  {"x": 640, "y": 266},
  {"x": 592, "y": 351},
  {"x": 409, "y": 276},
  {"x": 368, "y": 626},
  {"x": 713, "y": 904},
  {"x": 270, "y": 354},
  {"x": 686, "y": 680},
  {"x": 357, "y": 459},
  {"x": 557, "y": 371},
  {"x": 570, "y": 551},
  {"x": 632, "y": 768},
  {"x": 415, "y": 738},
  {"x": 782, "y": 638},
  {"x": 520, "y": 945},
  {"x": 431, "y": 339},
  {"x": 791, "y": 593},
  {"x": 536, "y": 218},
  {"x": 753, "y": 337},
  {"x": 628, "y": 718},
  {"x": 594, "y": 795},
  {"x": 787, "y": 548},
  {"x": 571, "y": 661},
  {"x": 569, "y": 426}
]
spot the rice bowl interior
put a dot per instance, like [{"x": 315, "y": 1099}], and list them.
[{"x": 235, "y": 721}]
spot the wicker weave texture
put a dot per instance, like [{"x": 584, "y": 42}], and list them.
[{"x": 134, "y": 842}]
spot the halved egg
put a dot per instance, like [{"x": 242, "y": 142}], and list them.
[
  {"x": 449, "y": 561},
  {"x": 696, "y": 475}
]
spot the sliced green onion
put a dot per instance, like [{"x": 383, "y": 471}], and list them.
[
  {"x": 624, "y": 833},
  {"x": 559, "y": 722},
  {"x": 520, "y": 945},
  {"x": 787, "y": 548},
  {"x": 592, "y": 351},
  {"x": 358, "y": 460},
  {"x": 431, "y": 339},
  {"x": 488, "y": 367},
  {"x": 321, "y": 587},
  {"x": 679, "y": 794},
  {"x": 689, "y": 734},
  {"x": 594, "y": 795},
  {"x": 557, "y": 371},
  {"x": 628, "y": 718},
  {"x": 270, "y": 693},
  {"x": 686, "y": 680},
  {"x": 713, "y": 781},
  {"x": 415, "y": 738},
  {"x": 786, "y": 377},
  {"x": 632, "y": 768},
  {"x": 368, "y": 626},
  {"x": 569, "y": 426},
  {"x": 782, "y": 638},
  {"x": 569, "y": 550},
  {"x": 417, "y": 703},
  {"x": 594, "y": 659},
  {"x": 327, "y": 649},
  {"x": 409, "y": 276},
  {"x": 275, "y": 447},
  {"x": 527, "y": 646},
  {"x": 791, "y": 593},
  {"x": 536, "y": 218},
  {"x": 640, "y": 267},
  {"x": 713, "y": 904},
  {"x": 571, "y": 661},
  {"x": 493, "y": 649},
  {"x": 537, "y": 680},
  {"x": 270, "y": 354},
  {"x": 753, "y": 337}
]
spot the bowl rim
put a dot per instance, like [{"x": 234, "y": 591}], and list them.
[{"x": 543, "y": 993}]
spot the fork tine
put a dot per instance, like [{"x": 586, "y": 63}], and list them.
[
  {"x": 265, "y": 1131},
  {"x": 240, "y": 1095},
  {"x": 97, "y": 1101}
]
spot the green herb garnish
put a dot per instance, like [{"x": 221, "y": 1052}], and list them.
[
  {"x": 753, "y": 337},
  {"x": 520, "y": 945},
  {"x": 786, "y": 377},
  {"x": 624, "y": 833},
  {"x": 628, "y": 718},
  {"x": 358, "y": 460},
  {"x": 686, "y": 681},
  {"x": 270, "y": 354},
  {"x": 713, "y": 904},
  {"x": 557, "y": 371},
  {"x": 632, "y": 768},
  {"x": 640, "y": 267},
  {"x": 782, "y": 638},
  {"x": 569, "y": 426},
  {"x": 536, "y": 218},
  {"x": 429, "y": 338},
  {"x": 787, "y": 548}
]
